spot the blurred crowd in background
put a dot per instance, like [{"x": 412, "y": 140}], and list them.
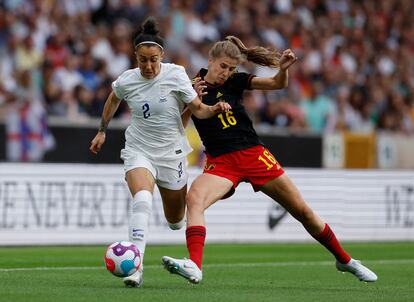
[{"x": 355, "y": 69}]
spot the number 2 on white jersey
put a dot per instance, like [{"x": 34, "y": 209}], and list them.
[{"x": 145, "y": 109}]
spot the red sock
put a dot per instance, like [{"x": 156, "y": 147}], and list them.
[
  {"x": 328, "y": 239},
  {"x": 196, "y": 236}
]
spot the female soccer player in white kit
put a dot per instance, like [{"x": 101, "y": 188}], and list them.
[{"x": 156, "y": 146}]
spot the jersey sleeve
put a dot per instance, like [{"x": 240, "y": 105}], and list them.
[
  {"x": 243, "y": 81},
  {"x": 185, "y": 89},
  {"x": 117, "y": 88}
]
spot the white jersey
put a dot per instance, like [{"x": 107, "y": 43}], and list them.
[{"x": 156, "y": 129}]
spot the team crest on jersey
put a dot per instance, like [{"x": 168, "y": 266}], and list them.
[{"x": 219, "y": 94}]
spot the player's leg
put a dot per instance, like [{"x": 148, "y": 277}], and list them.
[
  {"x": 141, "y": 185},
  {"x": 282, "y": 190},
  {"x": 172, "y": 183},
  {"x": 205, "y": 190},
  {"x": 174, "y": 206}
]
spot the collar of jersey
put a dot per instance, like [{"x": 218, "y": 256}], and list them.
[
  {"x": 202, "y": 73},
  {"x": 144, "y": 78}
]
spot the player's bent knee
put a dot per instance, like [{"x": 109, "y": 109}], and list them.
[
  {"x": 193, "y": 199},
  {"x": 195, "y": 207},
  {"x": 177, "y": 225}
]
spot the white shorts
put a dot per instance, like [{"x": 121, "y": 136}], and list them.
[{"x": 171, "y": 174}]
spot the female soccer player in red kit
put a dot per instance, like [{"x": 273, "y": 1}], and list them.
[{"x": 235, "y": 154}]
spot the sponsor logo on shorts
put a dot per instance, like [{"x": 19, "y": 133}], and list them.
[
  {"x": 180, "y": 169},
  {"x": 209, "y": 167}
]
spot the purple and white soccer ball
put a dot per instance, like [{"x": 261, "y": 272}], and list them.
[{"x": 122, "y": 258}]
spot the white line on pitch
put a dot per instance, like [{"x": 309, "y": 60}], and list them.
[{"x": 218, "y": 265}]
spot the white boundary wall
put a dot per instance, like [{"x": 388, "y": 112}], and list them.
[{"x": 88, "y": 204}]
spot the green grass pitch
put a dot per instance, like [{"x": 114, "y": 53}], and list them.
[{"x": 232, "y": 272}]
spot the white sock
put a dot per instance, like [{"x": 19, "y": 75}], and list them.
[
  {"x": 139, "y": 220},
  {"x": 177, "y": 225}
]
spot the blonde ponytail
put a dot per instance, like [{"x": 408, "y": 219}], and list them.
[{"x": 257, "y": 54}]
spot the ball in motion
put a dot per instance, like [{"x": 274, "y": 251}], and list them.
[{"x": 122, "y": 258}]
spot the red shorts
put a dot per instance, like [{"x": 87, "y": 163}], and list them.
[{"x": 255, "y": 165}]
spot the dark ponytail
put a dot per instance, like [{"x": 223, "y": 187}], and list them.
[{"x": 149, "y": 33}]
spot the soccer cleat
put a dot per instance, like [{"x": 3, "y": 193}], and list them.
[
  {"x": 185, "y": 268},
  {"x": 136, "y": 279},
  {"x": 355, "y": 267}
]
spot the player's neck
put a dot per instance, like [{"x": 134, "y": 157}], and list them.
[{"x": 209, "y": 79}]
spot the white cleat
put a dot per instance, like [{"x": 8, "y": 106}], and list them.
[
  {"x": 136, "y": 279},
  {"x": 183, "y": 267},
  {"x": 355, "y": 267}
]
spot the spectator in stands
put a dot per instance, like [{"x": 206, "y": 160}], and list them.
[
  {"x": 57, "y": 51},
  {"x": 87, "y": 69},
  {"x": 28, "y": 136},
  {"x": 67, "y": 77},
  {"x": 395, "y": 116},
  {"x": 283, "y": 113},
  {"x": 27, "y": 57},
  {"x": 352, "y": 111},
  {"x": 317, "y": 108}
]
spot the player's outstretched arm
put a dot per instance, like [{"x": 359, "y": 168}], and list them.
[
  {"x": 110, "y": 107},
  {"x": 199, "y": 86},
  {"x": 203, "y": 111},
  {"x": 280, "y": 80}
]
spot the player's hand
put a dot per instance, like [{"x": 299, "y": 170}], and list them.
[
  {"x": 199, "y": 86},
  {"x": 221, "y": 107},
  {"x": 97, "y": 142},
  {"x": 287, "y": 59}
]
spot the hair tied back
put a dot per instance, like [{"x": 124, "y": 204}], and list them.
[{"x": 150, "y": 27}]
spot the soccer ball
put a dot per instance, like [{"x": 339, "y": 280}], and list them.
[{"x": 122, "y": 258}]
